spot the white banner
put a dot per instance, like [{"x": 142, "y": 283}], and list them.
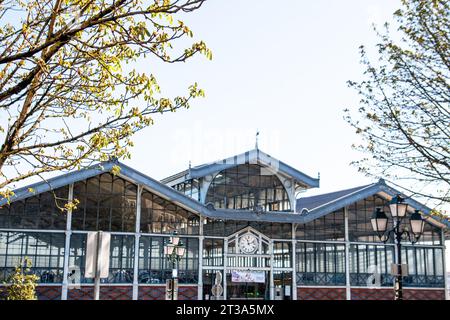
[{"x": 248, "y": 276}]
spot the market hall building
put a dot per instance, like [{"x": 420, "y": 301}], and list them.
[{"x": 248, "y": 217}]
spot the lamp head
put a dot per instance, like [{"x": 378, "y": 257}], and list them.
[
  {"x": 417, "y": 224},
  {"x": 398, "y": 207},
  {"x": 379, "y": 221}
]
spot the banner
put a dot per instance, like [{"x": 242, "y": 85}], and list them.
[{"x": 248, "y": 276}]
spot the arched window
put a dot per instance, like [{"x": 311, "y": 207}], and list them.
[{"x": 248, "y": 186}]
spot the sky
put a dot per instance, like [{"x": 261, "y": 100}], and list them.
[{"x": 279, "y": 69}]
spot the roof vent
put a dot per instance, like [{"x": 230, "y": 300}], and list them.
[
  {"x": 304, "y": 211},
  {"x": 210, "y": 206}
]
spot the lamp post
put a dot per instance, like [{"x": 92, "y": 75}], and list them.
[
  {"x": 379, "y": 221},
  {"x": 174, "y": 251}
]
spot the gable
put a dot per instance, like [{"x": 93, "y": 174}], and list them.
[{"x": 255, "y": 156}]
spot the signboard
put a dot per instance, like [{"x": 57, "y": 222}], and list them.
[
  {"x": 102, "y": 253},
  {"x": 397, "y": 270},
  {"x": 287, "y": 291},
  {"x": 248, "y": 276}
]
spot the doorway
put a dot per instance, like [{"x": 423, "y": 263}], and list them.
[{"x": 282, "y": 282}]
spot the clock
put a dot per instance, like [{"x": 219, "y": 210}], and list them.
[{"x": 248, "y": 243}]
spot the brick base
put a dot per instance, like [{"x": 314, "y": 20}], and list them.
[
  {"x": 84, "y": 293},
  {"x": 48, "y": 292},
  {"x": 159, "y": 293},
  {"x": 188, "y": 293},
  {"x": 371, "y": 294},
  {"x": 424, "y": 294},
  {"x": 152, "y": 293},
  {"x": 330, "y": 293},
  {"x": 321, "y": 293},
  {"x": 106, "y": 293}
]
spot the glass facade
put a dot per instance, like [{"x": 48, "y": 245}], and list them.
[
  {"x": 246, "y": 187},
  {"x": 107, "y": 203},
  {"x": 120, "y": 262},
  {"x": 190, "y": 188},
  {"x": 424, "y": 266},
  {"x": 42, "y": 211},
  {"x": 161, "y": 216},
  {"x": 45, "y": 250},
  {"x": 154, "y": 267},
  {"x": 370, "y": 265},
  {"x": 320, "y": 264},
  {"x": 359, "y": 213},
  {"x": 329, "y": 227},
  {"x": 282, "y": 254},
  {"x": 315, "y": 255},
  {"x": 213, "y": 252}
]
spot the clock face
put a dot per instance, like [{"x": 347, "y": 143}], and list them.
[{"x": 248, "y": 243}]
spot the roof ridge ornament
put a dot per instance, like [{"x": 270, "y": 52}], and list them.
[
  {"x": 189, "y": 169},
  {"x": 256, "y": 139}
]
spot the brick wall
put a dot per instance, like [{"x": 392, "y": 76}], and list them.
[
  {"x": 330, "y": 293},
  {"x": 48, "y": 292},
  {"x": 106, "y": 293},
  {"x": 424, "y": 294},
  {"x": 158, "y": 293},
  {"x": 321, "y": 293},
  {"x": 372, "y": 294}
]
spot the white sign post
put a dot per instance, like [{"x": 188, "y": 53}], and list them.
[{"x": 97, "y": 258}]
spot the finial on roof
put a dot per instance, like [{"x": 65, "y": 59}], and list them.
[
  {"x": 256, "y": 137},
  {"x": 318, "y": 175},
  {"x": 381, "y": 180}
]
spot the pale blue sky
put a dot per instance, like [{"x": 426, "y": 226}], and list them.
[{"x": 280, "y": 67}]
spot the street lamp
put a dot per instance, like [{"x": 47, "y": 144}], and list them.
[
  {"x": 379, "y": 222},
  {"x": 174, "y": 250}
]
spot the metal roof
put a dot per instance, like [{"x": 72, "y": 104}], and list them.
[
  {"x": 306, "y": 204},
  {"x": 254, "y": 156},
  {"x": 317, "y": 206}
]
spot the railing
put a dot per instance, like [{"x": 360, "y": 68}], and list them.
[
  {"x": 361, "y": 280},
  {"x": 422, "y": 281},
  {"x": 386, "y": 280},
  {"x": 160, "y": 276},
  {"x": 320, "y": 279}
]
